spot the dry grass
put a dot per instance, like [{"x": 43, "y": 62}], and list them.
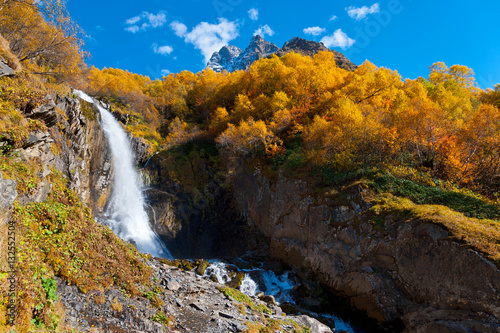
[
  {"x": 481, "y": 234},
  {"x": 116, "y": 305}
]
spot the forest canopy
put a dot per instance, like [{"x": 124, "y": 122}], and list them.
[{"x": 326, "y": 116}]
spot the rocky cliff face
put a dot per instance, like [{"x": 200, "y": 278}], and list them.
[
  {"x": 231, "y": 58},
  {"x": 193, "y": 207},
  {"x": 257, "y": 49},
  {"x": 73, "y": 144},
  {"x": 406, "y": 274}
]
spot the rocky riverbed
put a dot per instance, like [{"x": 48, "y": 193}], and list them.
[{"x": 183, "y": 301}]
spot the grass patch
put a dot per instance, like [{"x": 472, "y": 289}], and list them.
[
  {"x": 422, "y": 189},
  {"x": 481, "y": 234},
  {"x": 162, "y": 318},
  {"x": 240, "y": 297},
  {"x": 274, "y": 326}
]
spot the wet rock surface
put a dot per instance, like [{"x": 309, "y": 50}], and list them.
[{"x": 188, "y": 303}]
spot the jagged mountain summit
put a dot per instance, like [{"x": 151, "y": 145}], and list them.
[
  {"x": 231, "y": 58},
  {"x": 224, "y": 59},
  {"x": 310, "y": 48}
]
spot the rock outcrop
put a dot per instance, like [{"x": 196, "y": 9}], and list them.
[
  {"x": 8, "y": 193},
  {"x": 5, "y": 70},
  {"x": 406, "y": 274},
  {"x": 257, "y": 49},
  {"x": 231, "y": 58},
  {"x": 310, "y": 48},
  {"x": 73, "y": 144},
  {"x": 9, "y": 63}
]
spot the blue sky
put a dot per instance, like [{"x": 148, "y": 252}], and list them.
[{"x": 154, "y": 37}]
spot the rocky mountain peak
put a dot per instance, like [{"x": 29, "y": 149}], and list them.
[
  {"x": 257, "y": 38},
  {"x": 224, "y": 58},
  {"x": 301, "y": 44},
  {"x": 310, "y": 48},
  {"x": 231, "y": 58}
]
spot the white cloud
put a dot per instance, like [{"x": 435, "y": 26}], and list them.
[
  {"x": 133, "y": 20},
  {"x": 157, "y": 20},
  {"x": 165, "y": 72},
  {"x": 148, "y": 20},
  {"x": 360, "y": 13},
  {"x": 253, "y": 14},
  {"x": 179, "y": 28},
  {"x": 315, "y": 31},
  {"x": 263, "y": 31},
  {"x": 333, "y": 18},
  {"x": 209, "y": 38},
  {"x": 165, "y": 49},
  {"x": 338, "y": 39},
  {"x": 133, "y": 29}
]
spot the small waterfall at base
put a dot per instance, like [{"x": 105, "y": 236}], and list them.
[
  {"x": 280, "y": 286},
  {"x": 125, "y": 212}
]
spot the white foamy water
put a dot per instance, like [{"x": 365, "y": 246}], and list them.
[
  {"x": 248, "y": 286},
  {"x": 125, "y": 213},
  {"x": 218, "y": 269},
  {"x": 271, "y": 284},
  {"x": 278, "y": 286}
]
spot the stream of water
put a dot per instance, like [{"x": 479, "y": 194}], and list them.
[{"x": 280, "y": 286}]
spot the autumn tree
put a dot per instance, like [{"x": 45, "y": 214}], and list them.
[
  {"x": 43, "y": 33},
  {"x": 248, "y": 137},
  {"x": 480, "y": 138},
  {"x": 492, "y": 96}
]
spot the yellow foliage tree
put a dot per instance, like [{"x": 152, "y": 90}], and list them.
[
  {"x": 248, "y": 137},
  {"x": 43, "y": 32}
]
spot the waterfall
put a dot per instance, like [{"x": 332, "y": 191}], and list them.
[{"x": 125, "y": 213}]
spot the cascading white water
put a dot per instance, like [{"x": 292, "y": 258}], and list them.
[
  {"x": 218, "y": 269},
  {"x": 248, "y": 286},
  {"x": 278, "y": 286},
  {"x": 125, "y": 213}
]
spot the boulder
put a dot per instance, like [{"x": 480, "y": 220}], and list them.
[
  {"x": 8, "y": 193},
  {"x": 315, "y": 325},
  {"x": 5, "y": 70}
]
